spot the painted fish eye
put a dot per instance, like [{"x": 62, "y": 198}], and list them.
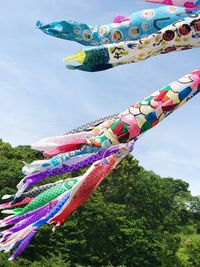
[{"x": 194, "y": 16}]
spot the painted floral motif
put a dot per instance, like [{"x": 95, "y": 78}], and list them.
[{"x": 181, "y": 3}]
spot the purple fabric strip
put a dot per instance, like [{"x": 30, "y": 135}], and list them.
[
  {"x": 35, "y": 217},
  {"x": 37, "y": 177},
  {"x": 24, "y": 217},
  {"x": 25, "y": 242}
]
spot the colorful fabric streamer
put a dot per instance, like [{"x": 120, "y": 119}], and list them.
[
  {"x": 85, "y": 131},
  {"x": 137, "y": 25},
  {"x": 182, "y": 35},
  {"x": 53, "y": 203},
  {"x": 101, "y": 144},
  {"x": 188, "y": 4},
  {"x": 128, "y": 126},
  {"x": 64, "y": 198},
  {"x": 26, "y": 197},
  {"x": 32, "y": 179}
]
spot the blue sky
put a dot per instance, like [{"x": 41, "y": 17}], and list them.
[{"x": 40, "y": 98}]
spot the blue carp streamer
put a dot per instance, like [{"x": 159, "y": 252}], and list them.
[{"x": 138, "y": 25}]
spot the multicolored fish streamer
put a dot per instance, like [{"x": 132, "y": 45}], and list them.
[
  {"x": 138, "y": 25},
  {"x": 105, "y": 147},
  {"x": 64, "y": 198},
  {"x": 101, "y": 144},
  {"x": 26, "y": 197},
  {"x": 182, "y": 35}
]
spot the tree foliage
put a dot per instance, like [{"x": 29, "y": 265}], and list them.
[{"x": 135, "y": 218}]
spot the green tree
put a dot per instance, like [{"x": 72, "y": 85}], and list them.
[{"x": 135, "y": 218}]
